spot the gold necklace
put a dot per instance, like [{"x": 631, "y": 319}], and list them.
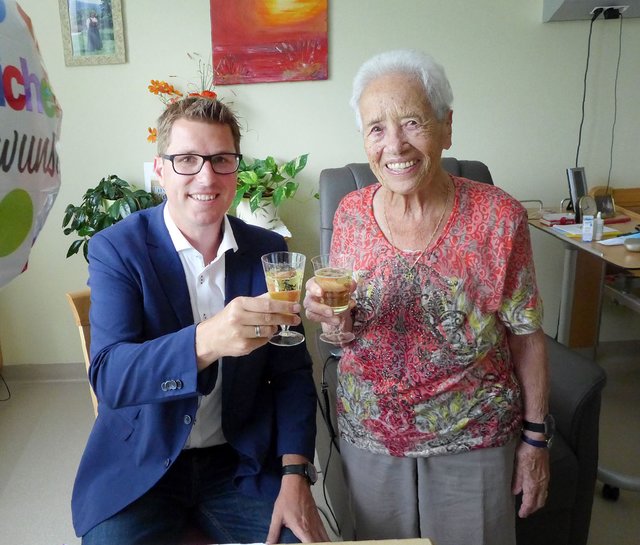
[{"x": 409, "y": 272}]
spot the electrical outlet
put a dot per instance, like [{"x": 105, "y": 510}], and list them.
[{"x": 621, "y": 9}]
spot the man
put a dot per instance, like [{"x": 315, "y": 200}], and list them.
[{"x": 197, "y": 414}]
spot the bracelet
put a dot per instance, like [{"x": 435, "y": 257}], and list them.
[{"x": 534, "y": 442}]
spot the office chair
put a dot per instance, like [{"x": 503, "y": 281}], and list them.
[{"x": 576, "y": 386}]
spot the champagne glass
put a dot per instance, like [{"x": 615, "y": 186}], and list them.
[
  {"x": 333, "y": 273},
  {"x": 284, "y": 272}
]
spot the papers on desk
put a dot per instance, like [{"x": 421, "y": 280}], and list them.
[
  {"x": 575, "y": 231},
  {"x": 617, "y": 241}
]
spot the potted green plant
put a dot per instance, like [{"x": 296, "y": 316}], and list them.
[
  {"x": 263, "y": 184},
  {"x": 110, "y": 201}
]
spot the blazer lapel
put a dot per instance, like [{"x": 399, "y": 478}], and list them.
[
  {"x": 168, "y": 267},
  {"x": 238, "y": 268}
]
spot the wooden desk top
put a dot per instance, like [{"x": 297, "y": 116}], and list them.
[
  {"x": 616, "y": 255},
  {"x": 415, "y": 541}
]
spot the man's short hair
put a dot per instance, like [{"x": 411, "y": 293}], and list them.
[{"x": 196, "y": 109}]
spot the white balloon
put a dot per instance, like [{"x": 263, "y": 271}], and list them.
[{"x": 29, "y": 129}]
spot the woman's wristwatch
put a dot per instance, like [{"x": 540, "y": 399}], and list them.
[{"x": 547, "y": 427}]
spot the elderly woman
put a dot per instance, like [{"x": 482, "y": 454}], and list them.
[{"x": 442, "y": 396}]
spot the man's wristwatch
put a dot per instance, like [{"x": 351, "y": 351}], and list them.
[
  {"x": 547, "y": 427},
  {"x": 307, "y": 470}
]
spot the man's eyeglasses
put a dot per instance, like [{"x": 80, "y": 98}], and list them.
[{"x": 189, "y": 164}]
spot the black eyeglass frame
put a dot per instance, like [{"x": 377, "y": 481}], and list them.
[{"x": 204, "y": 158}]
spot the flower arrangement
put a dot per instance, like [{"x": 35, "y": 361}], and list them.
[
  {"x": 261, "y": 181},
  {"x": 168, "y": 94}
]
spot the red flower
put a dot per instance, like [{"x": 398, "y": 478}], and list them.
[{"x": 211, "y": 95}]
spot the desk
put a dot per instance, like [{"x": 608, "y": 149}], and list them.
[
  {"x": 413, "y": 541},
  {"x": 585, "y": 266}
]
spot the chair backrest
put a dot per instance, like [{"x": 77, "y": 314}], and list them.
[
  {"x": 80, "y": 301},
  {"x": 335, "y": 183}
]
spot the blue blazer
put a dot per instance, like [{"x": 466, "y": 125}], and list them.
[{"x": 143, "y": 339}]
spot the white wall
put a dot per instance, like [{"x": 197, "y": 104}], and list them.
[{"x": 517, "y": 84}]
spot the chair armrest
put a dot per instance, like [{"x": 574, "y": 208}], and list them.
[{"x": 574, "y": 399}]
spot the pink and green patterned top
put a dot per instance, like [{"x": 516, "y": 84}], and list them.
[{"x": 430, "y": 371}]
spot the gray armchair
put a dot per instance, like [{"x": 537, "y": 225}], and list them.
[{"x": 576, "y": 385}]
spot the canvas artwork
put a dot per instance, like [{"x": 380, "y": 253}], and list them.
[{"x": 269, "y": 40}]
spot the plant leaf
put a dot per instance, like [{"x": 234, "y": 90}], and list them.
[{"x": 75, "y": 246}]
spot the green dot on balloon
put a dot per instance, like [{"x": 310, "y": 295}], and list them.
[{"x": 16, "y": 219}]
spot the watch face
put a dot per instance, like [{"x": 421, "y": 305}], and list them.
[
  {"x": 312, "y": 473},
  {"x": 549, "y": 426}
]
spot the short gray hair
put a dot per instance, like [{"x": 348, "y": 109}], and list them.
[{"x": 411, "y": 62}]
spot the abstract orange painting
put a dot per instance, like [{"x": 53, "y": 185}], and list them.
[{"x": 268, "y": 40}]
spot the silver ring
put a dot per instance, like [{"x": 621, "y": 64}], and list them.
[{"x": 257, "y": 331}]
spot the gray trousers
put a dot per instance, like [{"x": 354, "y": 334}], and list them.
[{"x": 455, "y": 499}]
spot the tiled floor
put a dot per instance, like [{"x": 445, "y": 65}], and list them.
[{"x": 43, "y": 428}]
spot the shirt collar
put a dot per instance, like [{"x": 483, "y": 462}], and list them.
[{"x": 181, "y": 244}]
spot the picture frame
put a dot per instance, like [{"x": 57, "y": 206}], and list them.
[
  {"x": 606, "y": 205},
  {"x": 92, "y": 32},
  {"x": 577, "y": 188}
]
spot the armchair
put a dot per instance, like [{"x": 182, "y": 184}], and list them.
[
  {"x": 576, "y": 385},
  {"x": 80, "y": 301}
]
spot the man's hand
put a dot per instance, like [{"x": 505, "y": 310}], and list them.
[
  {"x": 296, "y": 509},
  {"x": 233, "y": 330},
  {"x": 531, "y": 477}
]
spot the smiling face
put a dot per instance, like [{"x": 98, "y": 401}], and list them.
[
  {"x": 403, "y": 138},
  {"x": 197, "y": 203}
]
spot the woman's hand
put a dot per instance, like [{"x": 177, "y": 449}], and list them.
[
  {"x": 531, "y": 477},
  {"x": 315, "y": 310}
]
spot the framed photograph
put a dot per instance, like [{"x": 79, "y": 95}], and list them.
[
  {"x": 92, "y": 32},
  {"x": 606, "y": 205},
  {"x": 577, "y": 188}
]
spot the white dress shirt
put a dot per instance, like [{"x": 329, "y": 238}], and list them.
[{"x": 207, "y": 295}]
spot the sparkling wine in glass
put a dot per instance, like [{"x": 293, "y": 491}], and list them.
[
  {"x": 333, "y": 273},
  {"x": 284, "y": 272}
]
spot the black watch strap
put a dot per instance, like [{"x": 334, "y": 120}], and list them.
[
  {"x": 534, "y": 426},
  {"x": 534, "y": 442},
  {"x": 307, "y": 470}
]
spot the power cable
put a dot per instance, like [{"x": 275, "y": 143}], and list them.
[
  {"x": 615, "y": 105},
  {"x": 325, "y": 410},
  {"x": 596, "y": 14},
  {"x": 335, "y": 526},
  {"x": 7, "y": 388}
]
